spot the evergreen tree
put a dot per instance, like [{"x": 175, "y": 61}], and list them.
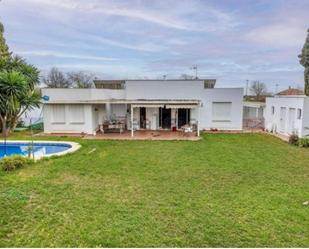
[
  {"x": 4, "y": 49},
  {"x": 304, "y": 60}
]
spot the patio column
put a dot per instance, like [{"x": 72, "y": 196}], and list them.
[
  {"x": 198, "y": 121},
  {"x": 132, "y": 131},
  {"x": 256, "y": 112}
]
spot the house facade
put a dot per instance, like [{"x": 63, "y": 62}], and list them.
[
  {"x": 287, "y": 115},
  {"x": 143, "y": 105}
]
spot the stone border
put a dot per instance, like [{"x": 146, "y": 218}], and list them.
[{"x": 74, "y": 146}]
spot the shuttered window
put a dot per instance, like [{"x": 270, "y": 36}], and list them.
[
  {"x": 58, "y": 114},
  {"x": 221, "y": 111},
  {"x": 77, "y": 114}
]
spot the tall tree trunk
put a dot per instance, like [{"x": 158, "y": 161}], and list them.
[
  {"x": 14, "y": 124},
  {"x": 307, "y": 81},
  {"x": 5, "y": 129}
]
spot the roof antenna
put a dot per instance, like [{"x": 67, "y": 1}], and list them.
[
  {"x": 277, "y": 85},
  {"x": 194, "y": 67},
  {"x": 247, "y": 85}
]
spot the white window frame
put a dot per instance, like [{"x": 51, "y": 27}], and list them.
[{"x": 222, "y": 119}]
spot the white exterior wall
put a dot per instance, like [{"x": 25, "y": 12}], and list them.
[
  {"x": 118, "y": 110},
  {"x": 233, "y": 95},
  {"x": 193, "y": 90},
  {"x": 286, "y": 124},
  {"x": 305, "y": 120},
  {"x": 146, "y": 90},
  {"x": 67, "y": 126},
  {"x": 68, "y": 95}
]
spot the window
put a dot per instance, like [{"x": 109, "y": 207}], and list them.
[
  {"x": 77, "y": 115},
  {"x": 298, "y": 113},
  {"x": 221, "y": 111},
  {"x": 109, "y": 84},
  {"x": 272, "y": 110},
  {"x": 58, "y": 114},
  {"x": 209, "y": 83}
]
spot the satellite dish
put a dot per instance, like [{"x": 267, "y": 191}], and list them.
[{"x": 45, "y": 98}]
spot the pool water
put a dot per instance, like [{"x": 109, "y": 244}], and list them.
[{"x": 39, "y": 149}]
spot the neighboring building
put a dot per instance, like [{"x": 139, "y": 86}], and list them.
[
  {"x": 147, "y": 104},
  {"x": 287, "y": 114},
  {"x": 291, "y": 91}
]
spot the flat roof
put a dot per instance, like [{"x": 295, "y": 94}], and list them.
[
  {"x": 117, "y": 81},
  {"x": 127, "y": 101}
]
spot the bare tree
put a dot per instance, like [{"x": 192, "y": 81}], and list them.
[
  {"x": 80, "y": 79},
  {"x": 258, "y": 89},
  {"x": 186, "y": 77},
  {"x": 56, "y": 79}
]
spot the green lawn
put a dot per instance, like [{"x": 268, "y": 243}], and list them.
[{"x": 243, "y": 190}]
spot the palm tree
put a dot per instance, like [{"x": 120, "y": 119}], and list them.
[{"x": 16, "y": 96}]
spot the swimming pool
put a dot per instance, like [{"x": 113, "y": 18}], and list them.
[{"x": 39, "y": 149}]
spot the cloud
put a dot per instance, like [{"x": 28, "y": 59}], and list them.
[
  {"x": 47, "y": 53},
  {"x": 284, "y": 27},
  {"x": 228, "y": 40},
  {"x": 275, "y": 35},
  {"x": 167, "y": 16}
]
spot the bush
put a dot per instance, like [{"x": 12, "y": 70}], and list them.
[
  {"x": 303, "y": 142},
  {"x": 14, "y": 162},
  {"x": 293, "y": 139}
]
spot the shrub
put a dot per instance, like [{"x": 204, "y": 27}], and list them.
[
  {"x": 303, "y": 142},
  {"x": 14, "y": 162},
  {"x": 293, "y": 139}
]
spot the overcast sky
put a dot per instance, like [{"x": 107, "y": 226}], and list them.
[{"x": 232, "y": 40}]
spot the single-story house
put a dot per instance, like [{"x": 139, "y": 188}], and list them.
[
  {"x": 143, "y": 105},
  {"x": 288, "y": 114}
]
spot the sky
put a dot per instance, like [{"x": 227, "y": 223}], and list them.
[{"x": 229, "y": 40}]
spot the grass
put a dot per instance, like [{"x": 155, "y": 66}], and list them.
[{"x": 229, "y": 190}]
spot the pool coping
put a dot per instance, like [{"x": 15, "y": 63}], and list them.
[{"x": 74, "y": 146}]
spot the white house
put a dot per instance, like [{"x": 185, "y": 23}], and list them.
[
  {"x": 287, "y": 115},
  {"x": 147, "y": 104}
]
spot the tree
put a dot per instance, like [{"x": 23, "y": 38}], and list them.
[
  {"x": 258, "y": 89},
  {"x": 4, "y": 49},
  {"x": 186, "y": 77},
  {"x": 304, "y": 61},
  {"x": 80, "y": 79},
  {"x": 56, "y": 79},
  {"x": 18, "y": 94}
]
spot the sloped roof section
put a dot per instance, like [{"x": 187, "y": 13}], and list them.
[{"x": 291, "y": 91}]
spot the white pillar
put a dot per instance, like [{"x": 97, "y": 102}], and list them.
[
  {"x": 132, "y": 131},
  {"x": 257, "y": 112},
  {"x": 198, "y": 121}
]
